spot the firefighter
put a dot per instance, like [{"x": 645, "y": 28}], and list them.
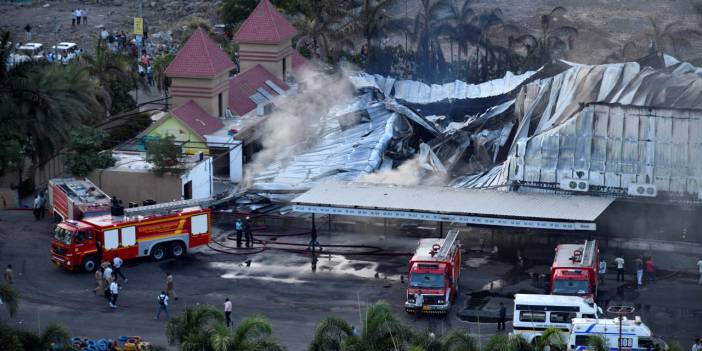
[
  {"x": 239, "y": 227},
  {"x": 247, "y": 232},
  {"x": 170, "y": 289}
]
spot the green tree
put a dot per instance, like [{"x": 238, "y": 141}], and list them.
[
  {"x": 84, "y": 154},
  {"x": 159, "y": 65},
  {"x": 235, "y": 11},
  {"x": 190, "y": 330},
  {"x": 164, "y": 154},
  {"x": 251, "y": 334},
  {"x": 598, "y": 343},
  {"x": 458, "y": 340},
  {"x": 202, "y": 328},
  {"x": 54, "y": 337},
  {"x": 381, "y": 331},
  {"x": 324, "y": 22},
  {"x": 10, "y": 298},
  {"x": 552, "y": 338},
  {"x": 371, "y": 19},
  {"x": 503, "y": 342},
  {"x": 117, "y": 74}
]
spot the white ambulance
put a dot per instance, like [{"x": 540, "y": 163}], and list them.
[
  {"x": 535, "y": 313},
  {"x": 635, "y": 335}
]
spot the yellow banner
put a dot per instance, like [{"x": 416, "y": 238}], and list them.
[{"x": 138, "y": 26}]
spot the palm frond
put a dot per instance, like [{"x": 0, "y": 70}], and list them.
[{"x": 10, "y": 298}]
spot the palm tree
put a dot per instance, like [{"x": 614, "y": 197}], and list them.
[
  {"x": 371, "y": 18},
  {"x": 320, "y": 24},
  {"x": 598, "y": 343},
  {"x": 552, "y": 338},
  {"x": 203, "y": 328},
  {"x": 502, "y": 342},
  {"x": 381, "y": 331},
  {"x": 54, "y": 337},
  {"x": 117, "y": 74},
  {"x": 190, "y": 330},
  {"x": 10, "y": 299},
  {"x": 425, "y": 34},
  {"x": 555, "y": 38},
  {"x": 459, "y": 28},
  {"x": 674, "y": 36},
  {"x": 458, "y": 340},
  {"x": 159, "y": 65}
]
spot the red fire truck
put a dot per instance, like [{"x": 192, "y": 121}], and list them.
[
  {"x": 158, "y": 231},
  {"x": 575, "y": 269},
  {"x": 433, "y": 275},
  {"x": 77, "y": 199}
]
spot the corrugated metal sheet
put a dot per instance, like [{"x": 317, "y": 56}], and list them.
[
  {"x": 455, "y": 201},
  {"x": 614, "y": 146}
]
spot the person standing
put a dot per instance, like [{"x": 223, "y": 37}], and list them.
[
  {"x": 247, "y": 232},
  {"x": 35, "y": 207},
  {"x": 114, "y": 293},
  {"x": 228, "y": 311},
  {"x": 170, "y": 286},
  {"x": 78, "y": 15},
  {"x": 84, "y": 14},
  {"x": 42, "y": 204},
  {"x": 28, "y": 29},
  {"x": 503, "y": 317},
  {"x": 239, "y": 228},
  {"x": 638, "y": 264},
  {"x": 9, "y": 275},
  {"x": 107, "y": 274},
  {"x": 620, "y": 267},
  {"x": 650, "y": 269},
  {"x": 117, "y": 264},
  {"x": 162, "y": 305},
  {"x": 699, "y": 268},
  {"x": 73, "y": 18},
  {"x": 603, "y": 270},
  {"x": 313, "y": 240},
  {"x": 99, "y": 280}
]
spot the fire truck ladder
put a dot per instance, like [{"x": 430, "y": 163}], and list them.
[
  {"x": 164, "y": 207},
  {"x": 588, "y": 253},
  {"x": 449, "y": 242}
]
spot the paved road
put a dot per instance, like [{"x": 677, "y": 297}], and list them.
[{"x": 279, "y": 285}]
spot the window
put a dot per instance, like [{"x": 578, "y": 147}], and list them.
[
  {"x": 111, "y": 239},
  {"x": 531, "y": 316},
  {"x": 562, "y": 317},
  {"x": 128, "y": 236},
  {"x": 426, "y": 280},
  {"x": 199, "y": 224},
  {"x": 219, "y": 104},
  {"x": 285, "y": 69},
  {"x": 585, "y": 315}
]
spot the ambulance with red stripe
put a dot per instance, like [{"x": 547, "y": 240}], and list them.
[{"x": 156, "y": 231}]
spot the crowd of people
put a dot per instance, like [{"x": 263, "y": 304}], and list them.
[{"x": 644, "y": 269}]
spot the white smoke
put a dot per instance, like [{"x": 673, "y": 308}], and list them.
[{"x": 298, "y": 119}]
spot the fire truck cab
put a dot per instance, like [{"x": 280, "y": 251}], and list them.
[
  {"x": 83, "y": 244},
  {"x": 575, "y": 269},
  {"x": 433, "y": 275}
]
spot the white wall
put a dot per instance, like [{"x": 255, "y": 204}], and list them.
[
  {"x": 201, "y": 176},
  {"x": 236, "y": 163}
]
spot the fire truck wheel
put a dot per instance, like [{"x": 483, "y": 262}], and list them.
[
  {"x": 89, "y": 264},
  {"x": 158, "y": 253},
  {"x": 177, "y": 249}
]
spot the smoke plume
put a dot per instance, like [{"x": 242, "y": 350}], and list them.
[{"x": 298, "y": 118}]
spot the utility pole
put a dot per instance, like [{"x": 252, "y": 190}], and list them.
[{"x": 621, "y": 311}]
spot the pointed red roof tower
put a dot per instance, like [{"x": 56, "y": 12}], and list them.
[
  {"x": 265, "y": 38},
  {"x": 200, "y": 72}
]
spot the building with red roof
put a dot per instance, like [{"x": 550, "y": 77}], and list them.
[
  {"x": 248, "y": 87},
  {"x": 200, "y": 72},
  {"x": 265, "y": 38}
]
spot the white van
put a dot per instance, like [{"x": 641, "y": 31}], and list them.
[
  {"x": 636, "y": 336},
  {"x": 66, "y": 50},
  {"x": 34, "y": 51},
  {"x": 535, "y": 313}
]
